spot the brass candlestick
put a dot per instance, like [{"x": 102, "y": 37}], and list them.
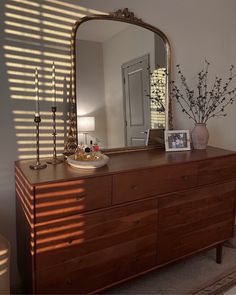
[
  {"x": 38, "y": 165},
  {"x": 55, "y": 159}
]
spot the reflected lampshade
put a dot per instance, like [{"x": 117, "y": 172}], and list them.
[{"x": 86, "y": 124}]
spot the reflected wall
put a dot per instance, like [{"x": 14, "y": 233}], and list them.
[{"x": 108, "y": 81}]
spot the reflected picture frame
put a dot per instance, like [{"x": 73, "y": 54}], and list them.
[
  {"x": 177, "y": 140},
  {"x": 155, "y": 137}
]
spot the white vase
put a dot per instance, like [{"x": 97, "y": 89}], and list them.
[{"x": 200, "y": 136}]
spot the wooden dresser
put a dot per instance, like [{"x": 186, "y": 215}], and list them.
[{"x": 81, "y": 231}]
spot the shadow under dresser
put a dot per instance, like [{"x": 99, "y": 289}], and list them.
[{"x": 81, "y": 231}]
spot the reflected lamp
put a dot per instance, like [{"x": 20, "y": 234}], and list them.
[{"x": 85, "y": 125}]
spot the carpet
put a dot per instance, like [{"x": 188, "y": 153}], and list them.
[
  {"x": 225, "y": 285},
  {"x": 193, "y": 275}
]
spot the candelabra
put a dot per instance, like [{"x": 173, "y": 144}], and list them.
[
  {"x": 55, "y": 160},
  {"x": 38, "y": 165}
]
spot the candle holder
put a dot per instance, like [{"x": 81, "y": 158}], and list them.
[
  {"x": 71, "y": 141},
  {"x": 38, "y": 165},
  {"x": 55, "y": 160}
]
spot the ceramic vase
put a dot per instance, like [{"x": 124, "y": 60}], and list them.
[{"x": 200, "y": 136}]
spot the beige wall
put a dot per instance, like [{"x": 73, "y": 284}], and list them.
[
  {"x": 115, "y": 55},
  {"x": 90, "y": 89},
  {"x": 196, "y": 29}
]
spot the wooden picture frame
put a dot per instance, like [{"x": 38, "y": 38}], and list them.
[{"x": 155, "y": 137}]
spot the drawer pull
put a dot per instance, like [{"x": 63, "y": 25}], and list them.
[
  {"x": 185, "y": 177},
  {"x": 134, "y": 187},
  {"x": 70, "y": 241},
  {"x": 79, "y": 198},
  {"x": 136, "y": 259},
  {"x": 68, "y": 282}
]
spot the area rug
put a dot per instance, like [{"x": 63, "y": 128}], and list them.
[
  {"x": 225, "y": 285},
  {"x": 198, "y": 275}
]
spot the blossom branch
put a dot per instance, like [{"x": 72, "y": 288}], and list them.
[{"x": 206, "y": 104}]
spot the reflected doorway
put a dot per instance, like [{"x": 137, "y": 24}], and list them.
[{"x": 136, "y": 89}]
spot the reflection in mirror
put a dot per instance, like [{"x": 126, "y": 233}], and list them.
[{"x": 120, "y": 83}]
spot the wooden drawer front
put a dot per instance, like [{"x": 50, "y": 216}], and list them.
[
  {"x": 217, "y": 170},
  {"x": 68, "y": 198},
  {"x": 25, "y": 196},
  {"x": 99, "y": 269},
  {"x": 190, "y": 221},
  {"x": 76, "y": 236},
  {"x": 136, "y": 185}
]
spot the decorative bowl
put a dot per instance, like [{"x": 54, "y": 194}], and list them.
[{"x": 88, "y": 164}]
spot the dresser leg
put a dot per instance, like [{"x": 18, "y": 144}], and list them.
[{"x": 219, "y": 254}]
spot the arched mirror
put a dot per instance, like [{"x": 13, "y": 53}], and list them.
[{"x": 120, "y": 69}]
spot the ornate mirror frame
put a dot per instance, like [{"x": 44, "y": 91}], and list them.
[{"x": 122, "y": 15}]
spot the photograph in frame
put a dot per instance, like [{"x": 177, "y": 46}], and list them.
[{"x": 177, "y": 140}]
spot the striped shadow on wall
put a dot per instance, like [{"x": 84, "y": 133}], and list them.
[{"x": 36, "y": 33}]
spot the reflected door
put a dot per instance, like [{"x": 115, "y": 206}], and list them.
[{"x": 136, "y": 100}]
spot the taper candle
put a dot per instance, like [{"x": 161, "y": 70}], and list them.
[
  {"x": 36, "y": 93},
  {"x": 70, "y": 84},
  {"x": 53, "y": 85}
]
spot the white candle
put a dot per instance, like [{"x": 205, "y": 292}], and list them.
[
  {"x": 70, "y": 87},
  {"x": 53, "y": 85},
  {"x": 36, "y": 93}
]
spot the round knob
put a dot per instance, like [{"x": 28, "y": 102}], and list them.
[
  {"x": 78, "y": 198},
  {"x": 136, "y": 259},
  {"x": 134, "y": 187},
  {"x": 70, "y": 241}
]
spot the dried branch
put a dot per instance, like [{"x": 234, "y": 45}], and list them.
[{"x": 205, "y": 104}]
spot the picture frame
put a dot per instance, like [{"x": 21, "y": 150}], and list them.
[
  {"x": 155, "y": 137},
  {"x": 177, "y": 140}
]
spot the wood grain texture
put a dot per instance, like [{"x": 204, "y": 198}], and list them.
[
  {"x": 71, "y": 197},
  {"x": 191, "y": 220},
  {"x": 25, "y": 229},
  {"x": 211, "y": 171},
  {"x": 103, "y": 247},
  {"x": 155, "y": 181},
  {"x": 66, "y": 238},
  {"x": 82, "y": 231},
  {"x": 121, "y": 162},
  {"x": 98, "y": 269}
]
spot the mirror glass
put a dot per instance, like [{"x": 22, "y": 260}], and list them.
[{"x": 121, "y": 83}]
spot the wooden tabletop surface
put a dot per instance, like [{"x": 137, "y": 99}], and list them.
[{"x": 119, "y": 162}]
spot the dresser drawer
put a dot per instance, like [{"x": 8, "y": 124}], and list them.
[
  {"x": 61, "y": 240},
  {"x": 195, "y": 219},
  {"x": 216, "y": 170},
  {"x": 150, "y": 182},
  {"x": 67, "y": 198},
  {"x": 100, "y": 268},
  {"x": 178, "y": 247}
]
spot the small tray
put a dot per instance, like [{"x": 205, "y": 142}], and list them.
[{"x": 88, "y": 164}]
